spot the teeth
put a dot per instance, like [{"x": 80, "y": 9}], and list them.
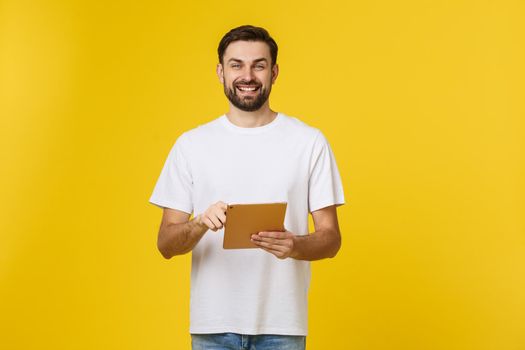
[{"x": 246, "y": 89}]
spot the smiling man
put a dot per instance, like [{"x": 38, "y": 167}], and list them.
[
  {"x": 249, "y": 298},
  {"x": 248, "y": 95}
]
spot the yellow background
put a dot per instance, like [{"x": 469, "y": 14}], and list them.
[{"x": 422, "y": 102}]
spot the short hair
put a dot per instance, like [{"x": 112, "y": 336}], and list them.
[{"x": 248, "y": 33}]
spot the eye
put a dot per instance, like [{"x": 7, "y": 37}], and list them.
[
  {"x": 259, "y": 67},
  {"x": 235, "y": 65}
]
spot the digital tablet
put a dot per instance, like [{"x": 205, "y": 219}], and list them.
[{"x": 244, "y": 220}]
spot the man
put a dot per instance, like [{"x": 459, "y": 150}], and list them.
[{"x": 249, "y": 298}]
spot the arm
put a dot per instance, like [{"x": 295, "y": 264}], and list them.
[
  {"x": 179, "y": 236},
  {"x": 323, "y": 243}
]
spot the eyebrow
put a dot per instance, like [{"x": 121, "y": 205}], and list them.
[{"x": 254, "y": 61}]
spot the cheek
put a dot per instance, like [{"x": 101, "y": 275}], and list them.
[
  {"x": 232, "y": 79},
  {"x": 264, "y": 78},
  {"x": 228, "y": 81}
]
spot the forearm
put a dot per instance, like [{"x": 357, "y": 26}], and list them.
[
  {"x": 177, "y": 239},
  {"x": 315, "y": 246}
]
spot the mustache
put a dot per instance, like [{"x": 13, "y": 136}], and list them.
[{"x": 249, "y": 83}]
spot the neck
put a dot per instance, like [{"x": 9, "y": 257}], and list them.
[{"x": 244, "y": 119}]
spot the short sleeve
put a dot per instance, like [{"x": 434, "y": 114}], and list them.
[
  {"x": 324, "y": 187},
  {"x": 174, "y": 187}
]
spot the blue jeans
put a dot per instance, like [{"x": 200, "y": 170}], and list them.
[{"x": 234, "y": 341}]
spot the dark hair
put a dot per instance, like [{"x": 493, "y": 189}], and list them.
[{"x": 248, "y": 33}]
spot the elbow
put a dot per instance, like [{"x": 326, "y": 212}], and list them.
[
  {"x": 169, "y": 252},
  {"x": 336, "y": 247},
  {"x": 165, "y": 254},
  {"x": 163, "y": 249}
]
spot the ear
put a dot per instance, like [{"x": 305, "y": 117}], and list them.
[
  {"x": 220, "y": 73},
  {"x": 275, "y": 72}
]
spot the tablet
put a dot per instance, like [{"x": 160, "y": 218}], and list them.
[{"x": 243, "y": 220}]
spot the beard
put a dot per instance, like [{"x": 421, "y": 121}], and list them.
[{"x": 247, "y": 103}]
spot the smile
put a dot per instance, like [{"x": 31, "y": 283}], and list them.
[{"x": 247, "y": 88}]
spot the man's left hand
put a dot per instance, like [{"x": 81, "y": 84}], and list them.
[{"x": 280, "y": 244}]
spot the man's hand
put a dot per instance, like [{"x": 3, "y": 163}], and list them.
[
  {"x": 323, "y": 243},
  {"x": 214, "y": 217},
  {"x": 280, "y": 244}
]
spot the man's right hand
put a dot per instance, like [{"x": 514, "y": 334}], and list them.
[{"x": 214, "y": 217}]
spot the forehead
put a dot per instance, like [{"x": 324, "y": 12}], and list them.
[{"x": 247, "y": 51}]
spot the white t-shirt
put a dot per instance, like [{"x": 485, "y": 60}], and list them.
[{"x": 249, "y": 291}]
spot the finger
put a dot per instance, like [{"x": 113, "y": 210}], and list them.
[
  {"x": 278, "y": 254},
  {"x": 221, "y": 216},
  {"x": 278, "y": 241},
  {"x": 268, "y": 240},
  {"x": 216, "y": 221},
  {"x": 208, "y": 223},
  {"x": 223, "y": 206},
  {"x": 269, "y": 245},
  {"x": 273, "y": 234}
]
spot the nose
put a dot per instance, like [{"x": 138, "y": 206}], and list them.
[{"x": 248, "y": 73}]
